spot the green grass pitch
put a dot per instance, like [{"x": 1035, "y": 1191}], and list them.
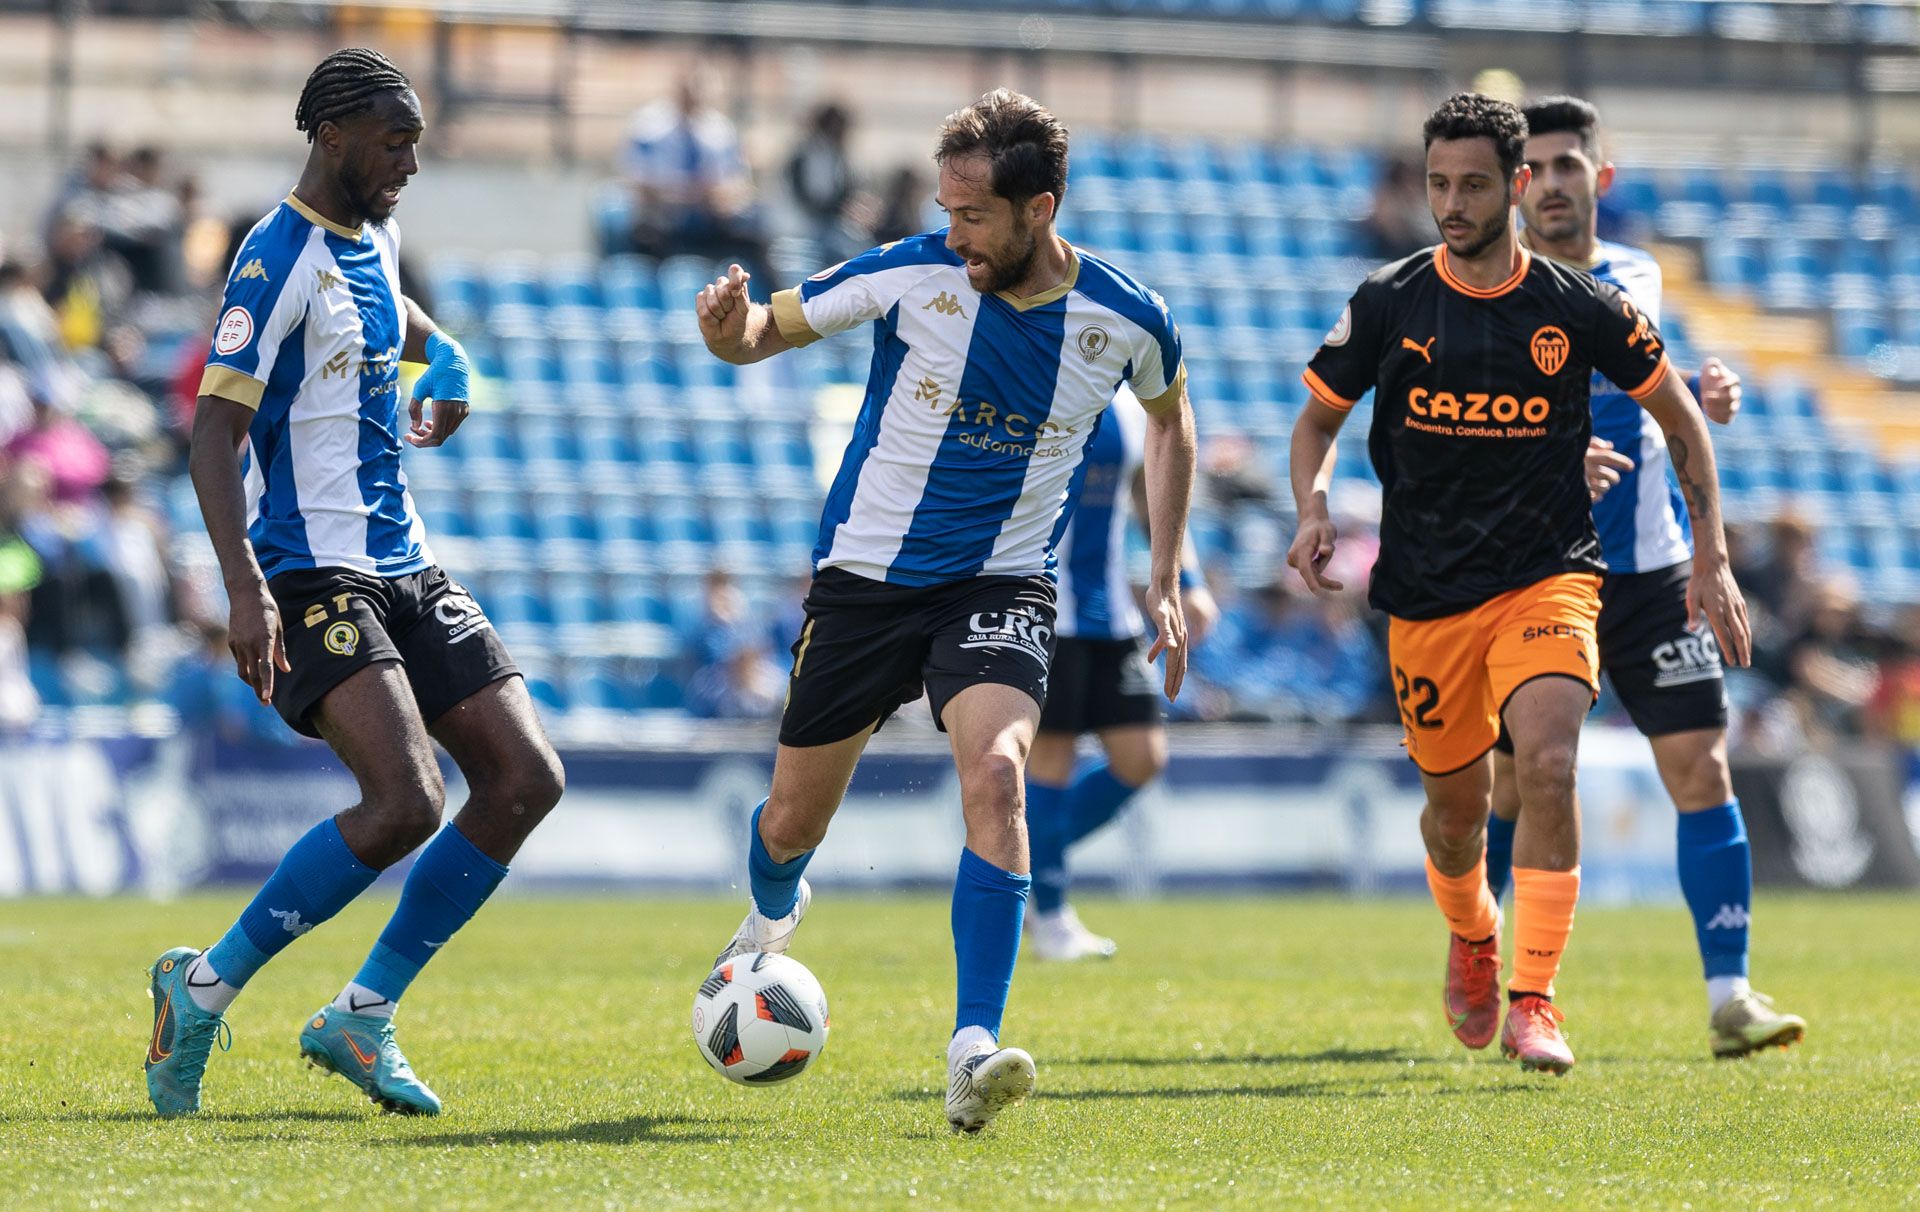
[{"x": 1248, "y": 1052}]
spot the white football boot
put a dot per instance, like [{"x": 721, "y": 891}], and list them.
[
  {"x": 1060, "y": 936},
  {"x": 761, "y": 933},
  {"x": 984, "y": 1082}
]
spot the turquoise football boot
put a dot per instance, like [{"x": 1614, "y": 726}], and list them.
[
  {"x": 360, "y": 1048},
  {"x": 183, "y": 1037}
]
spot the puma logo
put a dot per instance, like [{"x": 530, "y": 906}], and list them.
[{"x": 1425, "y": 351}]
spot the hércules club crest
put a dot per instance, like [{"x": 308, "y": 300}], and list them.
[{"x": 1550, "y": 348}]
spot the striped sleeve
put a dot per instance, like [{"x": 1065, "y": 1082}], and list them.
[
  {"x": 257, "y": 312},
  {"x": 1159, "y": 371},
  {"x": 858, "y": 290}
]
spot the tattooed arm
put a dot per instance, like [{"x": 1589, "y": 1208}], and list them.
[{"x": 1711, "y": 591}]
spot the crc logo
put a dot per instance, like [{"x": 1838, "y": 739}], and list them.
[
  {"x": 1549, "y": 348},
  {"x": 1691, "y": 658},
  {"x": 1477, "y": 406},
  {"x": 460, "y": 615},
  {"x": 1019, "y": 630}
]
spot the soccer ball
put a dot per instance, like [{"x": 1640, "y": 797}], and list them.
[{"x": 760, "y": 1019}]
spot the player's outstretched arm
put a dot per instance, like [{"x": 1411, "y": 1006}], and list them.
[
  {"x": 1712, "y": 590},
  {"x": 1170, "y": 461},
  {"x": 254, "y": 634},
  {"x": 735, "y": 328},
  {"x": 1310, "y": 465},
  {"x": 442, "y": 393}
]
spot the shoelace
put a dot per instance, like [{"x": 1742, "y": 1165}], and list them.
[
  {"x": 195, "y": 1045},
  {"x": 1537, "y": 1008}
]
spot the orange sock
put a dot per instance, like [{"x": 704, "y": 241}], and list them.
[
  {"x": 1543, "y": 904},
  {"x": 1466, "y": 901}
]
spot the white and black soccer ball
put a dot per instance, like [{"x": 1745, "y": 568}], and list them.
[{"x": 760, "y": 1019}]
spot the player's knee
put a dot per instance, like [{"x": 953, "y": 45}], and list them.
[
  {"x": 991, "y": 784},
  {"x": 1138, "y": 765},
  {"x": 407, "y": 816},
  {"x": 1546, "y": 770},
  {"x": 1703, "y": 780},
  {"x": 1460, "y": 829},
  {"x": 537, "y": 783},
  {"x": 785, "y": 831}
]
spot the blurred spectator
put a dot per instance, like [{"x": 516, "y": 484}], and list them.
[
  {"x": 903, "y": 207},
  {"x": 73, "y": 460},
  {"x": 88, "y": 190},
  {"x": 1230, "y": 473},
  {"x": 29, "y": 330},
  {"x": 211, "y": 699},
  {"x": 88, "y": 287},
  {"x": 743, "y": 684},
  {"x": 144, "y": 224},
  {"x": 1401, "y": 222},
  {"x": 821, "y": 180},
  {"x": 723, "y": 622},
  {"x": 204, "y": 256},
  {"x": 691, "y": 190},
  {"x": 19, "y": 574},
  {"x": 1785, "y": 584},
  {"x": 132, "y": 541},
  {"x": 1894, "y": 712},
  {"x": 1833, "y": 665},
  {"x": 1286, "y": 656}
]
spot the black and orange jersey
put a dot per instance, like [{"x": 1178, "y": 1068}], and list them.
[{"x": 1480, "y": 421}]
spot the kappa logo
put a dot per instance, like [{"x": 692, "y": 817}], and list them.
[
  {"x": 1424, "y": 350},
  {"x": 1550, "y": 348},
  {"x": 327, "y": 279},
  {"x": 1092, "y": 342},
  {"x": 1731, "y": 917},
  {"x": 946, "y": 305},
  {"x": 253, "y": 269},
  {"x": 289, "y": 920}
]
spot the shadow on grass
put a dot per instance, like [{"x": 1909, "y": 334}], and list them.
[
  {"x": 634, "y": 1130},
  {"x": 202, "y": 1117},
  {"x": 1325, "y": 1089},
  {"x": 1327, "y": 1056}
]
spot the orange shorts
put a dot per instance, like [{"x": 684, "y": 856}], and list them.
[{"x": 1454, "y": 675}]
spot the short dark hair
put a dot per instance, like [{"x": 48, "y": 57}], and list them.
[
  {"x": 1478, "y": 116},
  {"x": 345, "y": 83},
  {"x": 1021, "y": 139},
  {"x": 1571, "y": 115}
]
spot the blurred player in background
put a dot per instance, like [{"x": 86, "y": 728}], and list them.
[
  {"x": 1663, "y": 664},
  {"x": 997, "y": 347},
  {"x": 1101, "y": 681},
  {"x": 339, "y": 616},
  {"x": 1480, "y": 355}
]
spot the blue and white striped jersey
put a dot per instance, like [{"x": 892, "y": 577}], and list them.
[
  {"x": 978, "y": 407},
  {"x": 1096, "y": 598},
  {"x": 310, "y": 335},
  {"x": 1643, "y": 521}
]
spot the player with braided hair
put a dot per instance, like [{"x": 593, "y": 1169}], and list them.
[{"x": 339, "y": 616}]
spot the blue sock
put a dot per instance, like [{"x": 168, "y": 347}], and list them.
[
  {"x": 1499, "y": 855},
  {"x": 449, "y": 882},
  {"x": 1095, "y": 798},
  {"x": 988, "y": 904},
  {"x": 776, "y": 886},
  {"x": 1716, "y": 874},
  {"x": 1047, "y": 842},
  {"x": 316, "y": 879}
]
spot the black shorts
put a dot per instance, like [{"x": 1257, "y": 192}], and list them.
[
  {"x": 339, "y": 621},
  {"x": 869, "y": 647},
  {"x": 1668, "y": 678},
  {"x": 1100, "y": 684}
]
